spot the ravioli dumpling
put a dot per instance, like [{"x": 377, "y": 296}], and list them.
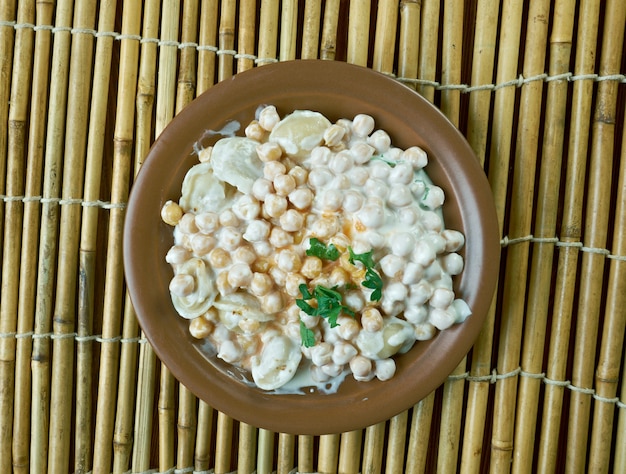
[
  {"x": 235, "y": 161},
  {"x": 204, "y": 292}
]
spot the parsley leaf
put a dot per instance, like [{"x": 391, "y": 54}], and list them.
[
  {"x": 329, "y": 306},
  {"x": 319, "y": 249},
  {"x": 365, "y": 258},
  {"x": 307, "y": 335},
  {"x": 374, "y": 282}
]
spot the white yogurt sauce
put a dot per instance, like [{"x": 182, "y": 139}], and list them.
[{"x": 249, "y": 226}]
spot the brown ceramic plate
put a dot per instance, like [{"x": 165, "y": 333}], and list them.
[{"x": 337, "y": 90}]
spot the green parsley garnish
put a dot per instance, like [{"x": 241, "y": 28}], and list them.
[
  {"x": 329, "y": 306},
  {"x": 320, "y": 250},
  {"x": 372, "y": 279},
  {"x": 374, "y": 282}
]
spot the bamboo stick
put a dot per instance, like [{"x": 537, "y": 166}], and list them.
[
  {"x": 223, "y": 443},
  {"x": 186, "y": 85},
  {"x": 142, "y": 433},
  {"x": 265, "y": 454},
  {"x": 396, "y": 441},
  {"x": 206, "y": 78},
  {"x": 419, "y": 435},
  {"x": 288, "y": 30},
  {"x": 17, "y": 140},
  {"x": 451, "y": 58},
  {"x": 566, "y": 278},
  {"x": 247, "y": 35},
  {"x": 305, "y": 453},
  {"x": 48, "y": 247},
  {"x": 358, "y": 32},
  {"x": 73, "y": 178},
  {"x": 132, "y": 446},
  {"x": 545, "y": 227},
  {"x": 595, "y": 235},
  {"x": 483, "y": 57},
  {"x": 207, "y": 45},
  {"x": 350, "y": 452},
  {"x": 429, "y": 41},
  {"x": 268, "y": 32},
  {"x": 520, "y": 225},
  {"x": 385, "y": 38},
  {"x": 166, "y": 89},
  {"x": 328, "y": 453},
  {"x": 7, "y": 34},
  {"x": 328, "y": 45},
  {"x": 451, "y": 416},
  {"x": 373, "y": 448},
  {"x": 619, "y": 463},
  {"x": 311, "y": 28},
  {"x": 607, "y": 376},
  {"x": 452, "y": 403},
  {"x": 87, "y": 253},
  {"x": 30, "y": 236},
  {"x": 246, "y": 456},
  {"x": 409, "y": 45},
  {"x": 187, "y": 402},
  {"x": 202, "y": 457},
  {"x": 226, "y": 39},
  {"x": 285, "y": 456}
]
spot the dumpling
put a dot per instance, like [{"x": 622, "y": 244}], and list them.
[
  {"x": 277, "y": 363},
  {"x": 299, "y": 132},
  {"x": 397, "y": 336},
  {"x": 235, "y": 161},
  {"x": 203, "y": 295},
  {"x": 202, "y": 191}
]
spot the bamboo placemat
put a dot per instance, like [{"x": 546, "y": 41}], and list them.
[{"x": 537, "y": 87}]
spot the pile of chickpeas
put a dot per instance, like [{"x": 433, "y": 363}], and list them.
[{"x": 244, "y": 224}]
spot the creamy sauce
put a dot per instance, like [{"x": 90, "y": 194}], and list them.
[{"x": 248, "y": 229}]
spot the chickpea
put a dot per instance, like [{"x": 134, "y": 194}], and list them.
[
  {"x": 320, "y": 156},
  {"x": 361, "y": 368},
  {"x": 200, "y": 328},
  {"x": 278, "y": 275},
  {"x": 177, "y": 254},
  {"x": 326, "y": 227},
  {"x": 380, "y": 141},
  {"x": 413, "y": 273},
  {"x": 441, "y": 298},
  {"x": 292, "y": 284},
  {"x": 362, "y": 125},
  {"x": 269, "y": 151},
  {"x": 261, "y": 188},
  {"x": 311, "y": 267},
  {"x": 372, "y": 215},
  {"x": 348, "y": 328},
  {"x": 288, "y": 260},
  {"x": 182, "y": 285},
  {"x": 301, "y": 198},
  {"x": 292, "y": 220},
  {"x": 239, "y": 275},
  {"x": 416, "y": 314},
  {"x": 284, "y": 184},
  {"x": 371, "y": 320},
  {"x": 322, "y": 354},
  {"x": 402, "y": 173},
  {"x": 268, "y": 117},
  {"x": 228, "y": 218},
  {"x": 376, "y": 187},
  {"x": 171, "y": 213},
  {"x": 400, "y": 195},
  {"x": 187, "y": 224},
  {"x": 272, "y": 169},
  {"x": 452, "y": 263},
  {"x": 299, "y": 174},
  {"x": 202, "y": 244},
  {"x": 230, "y": 238},
  {"x": 402, "y": 243},
  {"x": 339, "y": 277},
  {"x": 223, "y": 286},
  {"x": 343, "y": 352},
  {"x": 318, "y": 177},
  {"x": 352, "y": 201},
  {"x": 249, "y": 326},
  {"x": 257, "y": 231},
  {"x": 385, "y": 369},
  {"x": 275, "y": 205},
  {"x": 207, "y": 222},
  {"x": 230, "y": 352},
  {"x": 254, "y": 131},
  {"x": 219, "y": 258},
  {"x": 272, "y": 302},
  {"x": 392, "y": 265},
  {"x": 358, "y": 176},
  {"x": 332, "y": 200},
  {"x": 244, "y": 254},
  {"x": 416, "y": 157},
  {"x": 261, "y": 284},
  {"x": 333, "y": 135},
  {"x": 424, "y": 331},
  {"x": 441, "y": 318},
  {"x": 362, "y": 152},
  {"x": 434, "y": 199},
  {"x": 247, "y": 207},
  {"x": 454, "y": 239}
]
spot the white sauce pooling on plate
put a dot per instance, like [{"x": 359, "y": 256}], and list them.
[{"x": 248, "y": 272}]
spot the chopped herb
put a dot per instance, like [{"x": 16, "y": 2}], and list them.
[
  {"x": 365, "y": 258},
  {"x": 329, "y": 306},
  {"x": 374, "y": 282},
  {"x": 382, "y": 158},
  {"x": 320, "y": 250},
  {"x": 307, "y": 335}
]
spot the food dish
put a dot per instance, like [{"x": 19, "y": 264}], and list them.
[{"x": 337, "y": 90}]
